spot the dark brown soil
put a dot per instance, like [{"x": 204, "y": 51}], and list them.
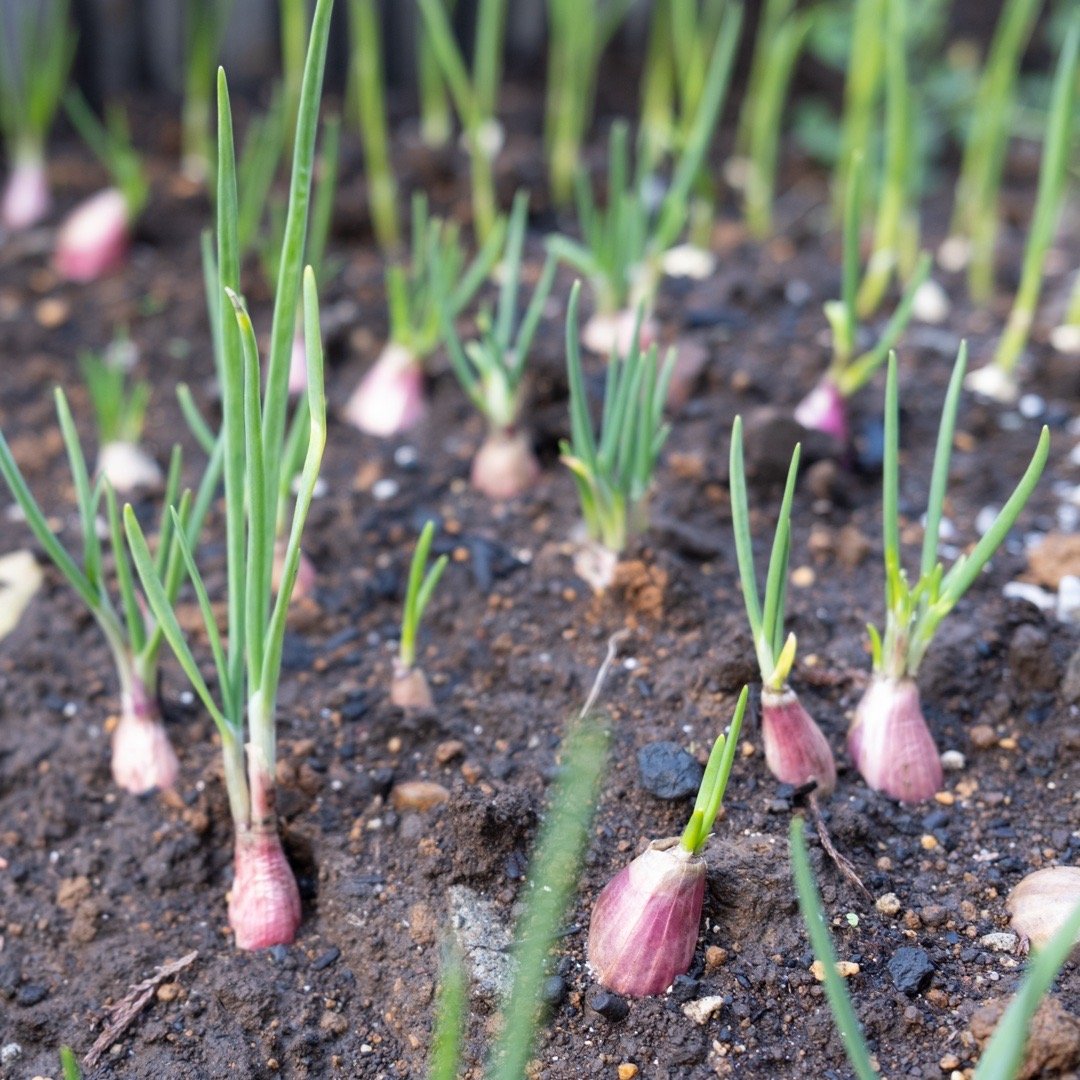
[{"x": 97, "y": 888}]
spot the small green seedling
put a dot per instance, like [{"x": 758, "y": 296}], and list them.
[{"x": 409, "y": 687}]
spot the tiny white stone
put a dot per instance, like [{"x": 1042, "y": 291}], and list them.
[
  {"x": 405, "y": 455},
  {"x": 70, "y": 709},
  {"x": 953, "y": 761},
  {"x": 9, "y": 1052},
  {"x": 1066, "y": 339},
  {"x": 953, "y": 253},
  {"x": 1030, "y": 406},
  {"x": 1068, "y": 518},
  {"x": 1074, "y": 455},
  {"x": 1068, "y": 599},
  {"x": 993, "y": 382},
  {"x": 1001, "y": 941},
  {"x": 930, "y": 303},
  {"x": 688, "y": 261},
  {"x": 702, "y": 1009},
  {"x": 385, "y": 489},
  {"x": 629, "y": 664},
  {"x": 187, "y": 697},
  {"x": 985, "y": 518},
  {"x": 797, "y": 292},
  {"x": 1022, "y": 590}
]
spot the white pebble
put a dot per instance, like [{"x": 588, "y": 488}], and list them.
[
  {"x": 797, "y": 292},
  {"x": 703, "y": 1008},
  {"x": 689, "y": 261},
  {"x": 1031, "y": 406},
  {"x": 385, "y": 489},
  {"x": 1066, "y": 339},
  {"x": 931, "y": 303},
  {"x": 1068, "y": 599},
  {"x": 405, "y": 455},
  {"x": 953, "y": 761},
  {"x": 984, "y": 520},
  {"x": 1074, "y": 455},
  {"x": 1068, "y": 518},
  {"x": 953, "y": 253},
  {"x": 1023, "y": 590},
  {"x": 1000, "y": 941},
  {"x": 9, "y": 1052}
]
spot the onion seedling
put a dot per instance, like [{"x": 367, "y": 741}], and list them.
[
  {"x": 1004, "y": 1053},
  {"x": 365, "y": 35},
  {"x": 645, "y": 922},
  {"x": 896, "y": 229},
  {"x": 780, "y": 36},
  {"x": 681, "y": 40},
  {"x": 973, "y": 230},
  {"x": 624, "y": 242},
  {"x": 578, "y": 33},
  {"x": 93, "y": 239},
  {"x": 142, "y": 756},
  {"x": 796, "y": 751},
  {"x": 390, "y": 397},
  {"x": 436, "y": 118},
  {"x": 889, "y": 739},
  {"x": 120, "y": 413},
  {"x": 1066, "y": 337},
  {"x": 409, "y": 687},
  {"x": 862, "y": 88},
  {"x": 491, "y": 370},
  {"x": 264, "y": 904},
  {"x": 613, "y": 471},
  {"x": 998, "y": 378},
  {"x": 264, "y": 142},
  {"x": 825, "y": 407},
  {"x": 35, "y": 65},
  {"x": 475, "y": 96},
  {"x": 322, "y": 213},
  {"x": 205, "y": 22}
]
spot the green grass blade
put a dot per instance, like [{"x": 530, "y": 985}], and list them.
[
  {"x": 133, "y": 620},
  {"x": 962, "y": 576},
  {"x": 813, "y": 914},
  {"x": 451, "y": 1009},
  {"x": 740, "y": 521},
  {"x": 552, "y": 875},
  {"x": 156, "y": 598},
  {"x": 772, "y": 617},
  {"x": 942, "y": 455}
]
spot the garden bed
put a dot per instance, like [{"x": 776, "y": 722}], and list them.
[{"x": 98, "y": 887}]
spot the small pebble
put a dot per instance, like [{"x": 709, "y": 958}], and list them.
[
  {"x": 406, "y": 456},
  {"x": 982, "y": 736},
  {"x": 844, "y": 968},
  {"x": 715, "y": 957},
  {"x": 953, "y": 761},
  {"x": 1023, "y": 590},
  {"x": 701, "y": 1010},
  {"x": 627, "y": 1070},
  {"x": 385, "y": 489},
  {"x": 9, "y": 1052},
  {"x": 949, "y": 1062},
  {"x": 609, "y": 1006},
  {"x": 930, "y": 303},
  {"x": 554, "y": 990},
  {"x": 325, "y": 959},
  {"x": 928, "y": 842},
  {"x": 910, "y": 968},
  {"x": 802, "y": 577},
  {"x": 668, "y": 771},
  {"x": 1000, "y": 941},
  {"x": 888, "y": 904},
  {"x": 447, "y": 751},
  {"x": 418, "y": 795},
  {"x": 31, "y": 994},
  {"x": 1031, "y": 406},
  {"x": 1068, "y": 599}
]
